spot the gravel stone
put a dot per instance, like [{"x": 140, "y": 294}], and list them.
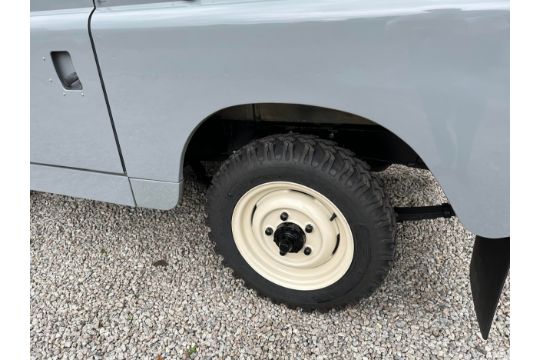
[{"x": 114, "y": 282}]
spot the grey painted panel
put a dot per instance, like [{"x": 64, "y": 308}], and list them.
[
  {"x": 68, "y": 127},
  {"x": 152, "y": 194},
  {"x": 41, "y": 5},
  {"x": 436, "y": 73},
  {"x": 80, "y": 183},
  {"x": 105, "y": 3}
]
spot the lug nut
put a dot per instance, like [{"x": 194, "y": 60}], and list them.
[
  {"x": 307, "y": 251},
  {"x": 284, "y": 216},
  {"x": 268, "y": 231},
  {"x": 309, "y": 228}
]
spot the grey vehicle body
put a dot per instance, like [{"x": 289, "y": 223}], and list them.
[{"x": 435, "y": 73}]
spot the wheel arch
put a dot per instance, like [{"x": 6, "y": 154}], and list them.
[
  {"x": 289, "y": 114},
  {"x": 446, "y": 173}
]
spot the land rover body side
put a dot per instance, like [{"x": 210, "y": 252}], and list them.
[{"x": 300, "y": 102}]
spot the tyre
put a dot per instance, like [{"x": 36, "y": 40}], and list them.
[{"x": 302, "y": 221}]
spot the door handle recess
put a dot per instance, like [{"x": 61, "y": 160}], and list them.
[{"x": 65, "y": 70}]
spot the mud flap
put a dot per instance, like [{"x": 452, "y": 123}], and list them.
[{"x": 489, "y": 268}]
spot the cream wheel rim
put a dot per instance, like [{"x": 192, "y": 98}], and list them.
[{"x": 328, "y": 235}]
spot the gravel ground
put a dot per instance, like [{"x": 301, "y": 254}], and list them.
[{"x": 113, "y": 282}]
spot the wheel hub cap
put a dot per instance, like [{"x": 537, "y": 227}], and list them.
[{"x": 289, "y": 237}]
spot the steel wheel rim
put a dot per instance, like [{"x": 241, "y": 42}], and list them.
[{"x": 330, "y": 240}]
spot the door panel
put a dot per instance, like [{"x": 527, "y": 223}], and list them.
[{"x": 69, "y": 121}]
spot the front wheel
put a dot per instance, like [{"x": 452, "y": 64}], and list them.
[{"x": 301, "y": 221}]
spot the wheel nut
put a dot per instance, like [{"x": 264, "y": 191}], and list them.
[
  {"x": 268, "y": 231},
  {"x": 284, "y": 216},
  {"x": 307, "y": 251},
  {"x": 309, "y": 228}
]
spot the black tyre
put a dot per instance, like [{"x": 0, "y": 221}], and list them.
[{"x": 302, "y": 221}]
